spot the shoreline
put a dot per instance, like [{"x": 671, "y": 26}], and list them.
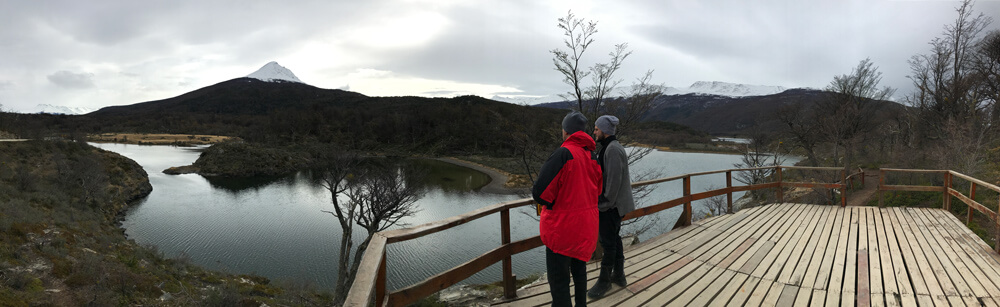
[{"x": 498, "y": 179}]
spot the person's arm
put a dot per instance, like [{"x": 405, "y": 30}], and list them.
[
  {"x": 614, "y": 164},
  {"x": 544, "y": 190}
]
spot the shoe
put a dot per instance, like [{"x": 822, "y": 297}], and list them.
[
  {"x": 619, "y": 279},
  {"x": 603, "y": 284}
]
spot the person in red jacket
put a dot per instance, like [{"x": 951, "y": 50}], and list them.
[{"x": 567, "y": 187}]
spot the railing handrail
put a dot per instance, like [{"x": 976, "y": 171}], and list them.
[{"x": 370, "y": 281}]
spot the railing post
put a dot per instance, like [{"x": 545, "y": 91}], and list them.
[
  {"x": 380, "y": 297},
  {"x": 946, "y": 202},
  {"x": 687, "y": 205},
  {"x": 881, "y": 182},
  {"x": 780, "y": 193},
  {"x": 996, "y": 235},
  {"x": 729, "y": 191},
  {"x": 972, "y": 195},
  {"x": 862, "y": 178},
  {"x": 843, "y": 188},
  {"x": 509, "y": 286}
]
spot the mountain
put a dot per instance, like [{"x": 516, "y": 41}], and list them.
[
  {"x": 731, "y": 89},
  {"x": 527, "y": 100},
  {"x": 272, "y": 72},
  {"x": 288, "y": 113},
  {"x": 59, "y": 110},
  {"x": 730, "y": 115}
]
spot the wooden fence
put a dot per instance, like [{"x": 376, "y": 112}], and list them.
[{"x": 370, "y": 282}]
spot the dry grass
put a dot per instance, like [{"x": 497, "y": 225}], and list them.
[{"x": 157, "y": 139}]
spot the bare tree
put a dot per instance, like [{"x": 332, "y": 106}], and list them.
[
  {"x": 384, "y": 197},
  {"x": 578, "y": 34},
  {"x": 762, "y": 151},
  {"x": 987, "y": 67},
  {"x": 803, "y": 128},
  {"x": 337, "y": 177},
  {"x": 849, "y": 114},
  {"x": 944, "y": 77},
  {"x": 377, "y": 198}
]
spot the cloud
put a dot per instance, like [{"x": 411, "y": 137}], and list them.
[
  {"x": 4, "y": 84},
  {"x": 72, "y": 80}
]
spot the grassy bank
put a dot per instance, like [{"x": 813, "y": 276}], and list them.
[
  {"x": 157, "y": 139},
  {"x": 60, "y": 245}
]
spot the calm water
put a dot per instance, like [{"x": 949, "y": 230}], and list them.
[{"x": 275, "y": 227}]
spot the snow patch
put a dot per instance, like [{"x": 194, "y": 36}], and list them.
[
  {"x": 272, "y": 72},
  {"x": 54, "y": 109},
  {"x": 732, "y": 89}
]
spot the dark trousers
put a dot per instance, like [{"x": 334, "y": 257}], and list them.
[
  {"x": 559, "y": 268},
  {"x": 611, "y": 240}
]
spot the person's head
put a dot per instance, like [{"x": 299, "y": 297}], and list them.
[
  {"x": 605, "y": 127},
  {"x": 573, "y": 123}
]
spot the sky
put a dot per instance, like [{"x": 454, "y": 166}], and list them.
[{"x": 100, "y": 53}]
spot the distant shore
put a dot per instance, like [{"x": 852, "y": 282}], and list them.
[
  {"x": 157, "y": 139},
  {"x": 498, "y": 179}
]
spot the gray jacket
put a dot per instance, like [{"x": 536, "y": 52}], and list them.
[{"x": 617, "y": 185}]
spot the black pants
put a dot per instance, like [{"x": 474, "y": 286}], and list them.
[
  {"x": 611, "y": 240},
  {"x": 559, "y": 268}
]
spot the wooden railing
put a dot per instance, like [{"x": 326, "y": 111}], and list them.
[
  {"x": 370, "y": 282},
  {"x": 946, "y": 193}
]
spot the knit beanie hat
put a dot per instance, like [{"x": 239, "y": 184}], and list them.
[
  {"x": 573, "y": 122},
  {"x": 607, "y": 124}
]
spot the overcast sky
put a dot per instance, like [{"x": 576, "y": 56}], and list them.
[{"x": 100, "y": 53}]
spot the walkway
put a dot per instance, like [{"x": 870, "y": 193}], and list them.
[{"x": 807, "y": 255}]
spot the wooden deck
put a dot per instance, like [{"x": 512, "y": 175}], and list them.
[{"x": 806, "y": 255}]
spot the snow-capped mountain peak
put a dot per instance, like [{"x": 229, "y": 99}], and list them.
[
  {"x": 53, "y": 109},
  {"x": 272, "y": 72},
  {"x": 733, "y": 89}
]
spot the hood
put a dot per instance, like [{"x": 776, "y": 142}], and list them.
[{"x": 581, "y": 139}]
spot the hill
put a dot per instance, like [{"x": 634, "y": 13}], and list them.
[
  {"x": 728, "y": 115},
  {"x": 291, "y": 112}
]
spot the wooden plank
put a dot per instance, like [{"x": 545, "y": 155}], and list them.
[
  {"x": 973, "y": 204},
  {"x": 754, "y": 230},
  {"x": 404, "y": 234},
  {"x": 743, "y": 295},
  {"x": 765, "y": 237},
  {"x": 956, "y": 301},
  {"x": 823, "y": 270},
  {"x": 728, "y": 291},
  {"x": 923, "y": 259},
  {"x": 712, "y": 290},
  {"x": 701, "y": 287},
  {"x": 762, "y": 260},
  {"x": 659, "y": 275},
  {"x": 905, "y": 260},
  {"x": 912, "y": 188},
  {"x": 363, "y": 290},
  {"x": 833, "y": 297},
  {"x": 847, "y": 300},
  {"x": 805, "y": 273},
  {"x": 885, "y": 255},
  {"x": 990, "y": 302},
  {"x": 874, "y": 258},
  {"x": 778, "y": 255},
  {"x": 672, "y": 294},
  {"x": 727, "y": 251},
  {"x": 863, "y": 289},
  {"x": 789, "y": 259},
  {"x": 802, "y": 297},
  {"x": 985, "y": 265},
  {"x": 956, "y": 257},
  {"x": 774, "y": 294},
  {"x": 923, "y": 277},
  {"x": 840, "y": 260},
  {"x": 943, "y": 267},
  {"x": 818, "y": 298},
  {"x": 678, "y": 281},
  {"x": 851, "y": 260},
  {"x": 757, "y": 297}
]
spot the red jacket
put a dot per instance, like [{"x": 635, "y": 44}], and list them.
[{"x": 568, "y": 186}]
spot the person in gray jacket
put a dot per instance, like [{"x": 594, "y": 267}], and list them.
[{"x": 613, "y": 203}]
